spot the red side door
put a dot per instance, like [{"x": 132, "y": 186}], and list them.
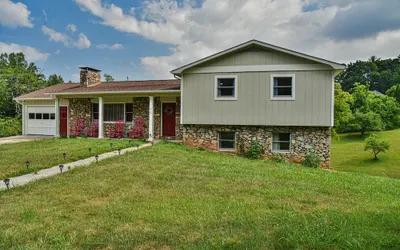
[
  {"x": 63, "y": 120},
  {"x": 168, "y": 119}
]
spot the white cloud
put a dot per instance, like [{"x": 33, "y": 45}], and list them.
[
  {"x": 198, "y": 31},
  {"x": 31, "y": 54},
  {"x": 112, "y": 47},
  {"x": 57, "y": 52},
  {"x": 72, "y": 28},
  {"x": 45, "y": 15},
  {"x": 81, "y": 43},
  {"x": 14, "y": 15}
]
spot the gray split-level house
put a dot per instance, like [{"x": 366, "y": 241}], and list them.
[{"x": 253, "y": 91}]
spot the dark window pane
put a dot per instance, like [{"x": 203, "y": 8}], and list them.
[
  {"x": 95, "y": 116},
  {"x": 38, "y": 116},
  {"x": 226, "y": 82},
  {"x": 282, "y": 86},
  {"x": 31, "y": 116},
  {"x": 46, "y": 116},
  {"x": 282, "y": 81},
  {"x": 129, "y": 107},
  {"x": 281, "y": 137},
  {"x": 52, "y": 116},
  {"x": 226, "y": 92},
  {"x": 283, "y": 91},
  {"x": 128, "y": 117},
  {"x": 95, "y": 107},
  {"x": 226, "y": 144},
  {"x": 285, "y": 146},
  {"x": 227, "y": 136}
]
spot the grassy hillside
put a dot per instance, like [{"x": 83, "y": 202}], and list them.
[
  {"x": 170, "y": 196},
  {"x": 348, "y": 155}
]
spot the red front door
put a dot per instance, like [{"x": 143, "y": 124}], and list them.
[
  {"x": 168, "y": 119},
  {"x": 63, "y": 120}
]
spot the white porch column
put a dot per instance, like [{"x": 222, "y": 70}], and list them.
[
  {"x": 151, "y": 118},
  {"x": 57, "y": 107},
  {"x": 101, "y": 107},
  {"x": 23, "y": 113}
]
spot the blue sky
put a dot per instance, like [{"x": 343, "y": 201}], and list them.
[{"x": 147, "y": 39}]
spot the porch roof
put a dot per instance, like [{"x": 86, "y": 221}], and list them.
[{"x": 106, "y": 88}]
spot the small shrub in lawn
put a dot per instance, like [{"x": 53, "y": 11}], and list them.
[
  {"x": 312, "y": 160},
  {"x": 254, "y": 151},
  {"x": 72, "y": 136},
  {"x": 278, "y": 157},
  {"x": 375, "y": 145}
]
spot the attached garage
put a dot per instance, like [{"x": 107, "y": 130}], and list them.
[{"x": 40, "y": 120}]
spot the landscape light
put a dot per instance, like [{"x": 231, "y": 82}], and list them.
[
  {"x": 137, "y": 146},
  {"x": 90, "y": 150},
  {"x": 27, "y": 163},
  {"x": 65, "y": 155},
  {"x": 61, "y": 168},
  {"x": 97, "y": 158},
  {"x": 7, "y": 182},
  {"x": 119, "y": 151},
  {"x": 111, "y": 145}
]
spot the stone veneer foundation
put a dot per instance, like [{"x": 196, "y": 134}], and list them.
[{"x": 303, "y": 139}]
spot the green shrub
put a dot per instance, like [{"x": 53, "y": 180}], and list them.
[
  {"x": 278, "y": 157},
  {"x": 376, "y": 145},
  {"x": 10, "y": 126},
  {"x": 312, "y": 160},
  {"x": 254, "y": 151},
  {"x": 72, "y": 136}
]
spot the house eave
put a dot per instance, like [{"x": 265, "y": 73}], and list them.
[{"x": 113, "y": 92}]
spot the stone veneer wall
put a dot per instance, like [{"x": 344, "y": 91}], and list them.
[
  {"x": 141, "y": 112},
  {"x": 303, "y": 139},
  {"x": 179, "y": 127},
  {"x": 89, "y": 78},
  {"x": 157, "y": 117},
  {"x": 79, "y": 109}
]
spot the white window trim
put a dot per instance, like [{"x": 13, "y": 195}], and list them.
[
  {"x": 282, "y": 151},
  {"x": 226, "y": 149},
  {"x": 216, "y": 97},
  {"x": 283, "y": 98}
]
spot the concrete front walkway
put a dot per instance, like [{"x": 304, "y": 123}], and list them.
[
  {"x": 25, "y": 179},
  {"x": 22, "y": 138}
]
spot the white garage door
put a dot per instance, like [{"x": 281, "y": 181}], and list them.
[{"x": 41, "y": 120}]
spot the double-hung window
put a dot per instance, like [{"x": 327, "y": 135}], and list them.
[
  {"x": 114, "y": 112},
  {"x": 283, "y": 87},
  {"x": 281, "y": 142},
  {"x": 227, "y": 141},
  {"x": 226, "y": 88}
]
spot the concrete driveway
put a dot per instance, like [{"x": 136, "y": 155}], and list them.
[{"x": 22, "y": 138}]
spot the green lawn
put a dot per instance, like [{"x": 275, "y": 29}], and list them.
[
  {"x": 348, "y": 155},
  {"x": 170, "y": 196},
  {"x": 49, "y": 152}
]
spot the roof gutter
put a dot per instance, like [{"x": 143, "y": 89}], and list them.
[
  {"x": 114, "y": 92},
  {"x": 17, "y": 99}
]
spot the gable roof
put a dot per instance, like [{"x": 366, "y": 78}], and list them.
[
  {"x": 334, "y": 65},
  {"x": 105, "y": 88}
]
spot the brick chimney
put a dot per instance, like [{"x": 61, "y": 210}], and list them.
[{"x": 89, "y": 77}]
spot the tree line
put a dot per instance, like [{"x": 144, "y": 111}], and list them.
[{"x": 367, "y": 96}]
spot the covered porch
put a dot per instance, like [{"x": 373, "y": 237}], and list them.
[{"x": 138, "y": 115}]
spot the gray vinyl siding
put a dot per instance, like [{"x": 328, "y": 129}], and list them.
[
  {"x": 256, "y": 57},
  {"x": 312, "y": 106}
]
